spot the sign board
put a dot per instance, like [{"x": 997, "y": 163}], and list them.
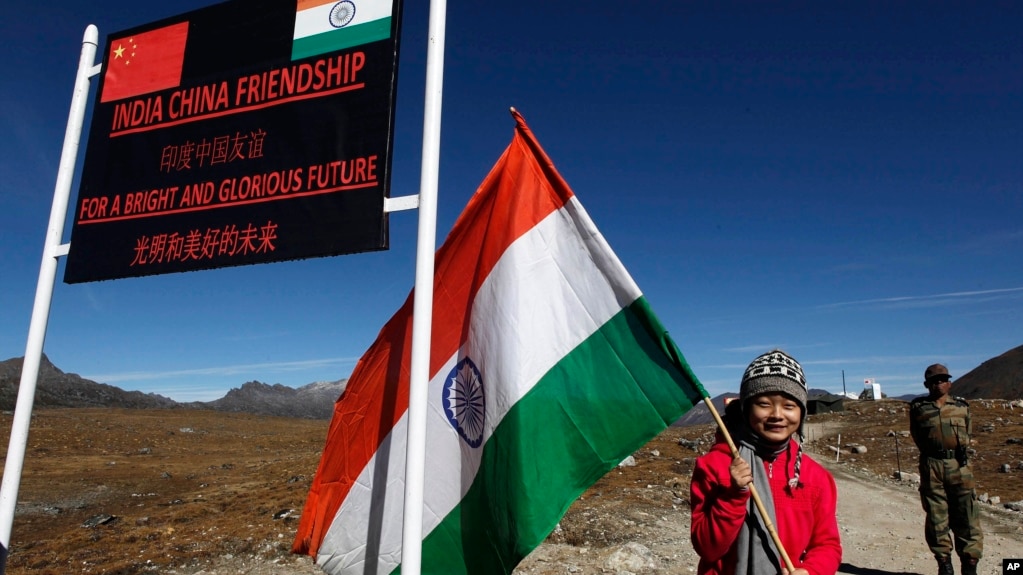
[{"x": 251, "y": 131}]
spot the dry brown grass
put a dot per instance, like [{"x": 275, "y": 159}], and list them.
[
  {"x": 167, "y": 487},
  {"x": 185, "y": 489}
]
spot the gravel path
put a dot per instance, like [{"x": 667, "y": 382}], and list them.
[{"x": 882, "y": 529}]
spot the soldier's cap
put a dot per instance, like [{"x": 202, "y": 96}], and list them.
[{"x": 936, "y": 372}]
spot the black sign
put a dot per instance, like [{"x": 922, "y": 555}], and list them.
[{"x": 247, "y": 132}]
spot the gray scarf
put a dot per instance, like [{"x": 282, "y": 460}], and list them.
[{"x": 756, "y": 552}]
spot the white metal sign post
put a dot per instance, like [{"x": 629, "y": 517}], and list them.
[
  {"x": 422, "y": 305},
  {"x": 52, "y": 249}
]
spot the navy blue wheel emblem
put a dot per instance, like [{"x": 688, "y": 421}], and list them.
[
  {"x": 342, "y": 13},
  {"x": 464, "y": 403}
]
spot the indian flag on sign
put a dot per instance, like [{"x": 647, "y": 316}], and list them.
[
  {"x": 547, "y": 369},
  {"x": 323, "y": 26}
]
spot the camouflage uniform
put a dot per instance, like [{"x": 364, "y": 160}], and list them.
[{"x": 946, "y": 480}]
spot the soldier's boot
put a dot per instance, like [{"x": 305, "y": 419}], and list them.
[
  {"x": 969, "y": 566},
  {"x": 945, "y": 566}
]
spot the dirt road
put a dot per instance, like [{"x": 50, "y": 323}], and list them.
[{"x": 882, "y": 529}]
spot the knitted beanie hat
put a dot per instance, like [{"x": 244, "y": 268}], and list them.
[
  {"x": 774, "y": 371},
  {"x": 777, "y": 371}
]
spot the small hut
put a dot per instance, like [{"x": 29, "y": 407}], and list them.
[{"x": 829, "y": 403}]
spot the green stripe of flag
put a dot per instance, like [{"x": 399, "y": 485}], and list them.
[
  {"x": 341, "y": 38},
  {"x": 600, "y": 403}
]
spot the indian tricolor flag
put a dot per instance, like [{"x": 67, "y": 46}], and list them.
[
  {"x": 330, "y": 25},
  {"x": 547, "y": 369}
]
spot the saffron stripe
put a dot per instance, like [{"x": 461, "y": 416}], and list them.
[{"x": 307, "y": 4}]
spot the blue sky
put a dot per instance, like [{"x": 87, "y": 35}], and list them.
[{"x": 840, "y": 180}]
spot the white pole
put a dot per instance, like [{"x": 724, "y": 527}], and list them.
[
  {"x": 52, "y": 250},
  {"x": 422, "y": 310}
]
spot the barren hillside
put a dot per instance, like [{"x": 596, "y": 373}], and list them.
[{"x": 122, "y": 491}]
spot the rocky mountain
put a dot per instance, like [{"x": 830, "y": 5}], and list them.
[
  {"x": 700, "y": 414},
  {"x": 997, "y": 378},
  {"x": 315, "y": 401},
  {"x": 55, "y": 388}
]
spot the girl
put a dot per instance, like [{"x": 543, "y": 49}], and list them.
[{"x": 798, "y": 494}]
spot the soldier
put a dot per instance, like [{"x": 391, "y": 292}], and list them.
[{"x": 941, "y": 428}]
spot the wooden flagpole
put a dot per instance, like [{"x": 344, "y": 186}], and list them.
[{"x": 752, "y": 489}]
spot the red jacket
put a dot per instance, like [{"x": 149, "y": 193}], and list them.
[{"x": 804, "y": 517}]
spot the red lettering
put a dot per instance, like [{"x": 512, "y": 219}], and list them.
[
  {"x": 93, "y": 208},
  {"x": 358, "y": 63}
]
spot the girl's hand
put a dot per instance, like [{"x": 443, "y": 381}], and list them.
[
  {"x": 741, "y": 473},
  {"x": 797, "y": 571}
]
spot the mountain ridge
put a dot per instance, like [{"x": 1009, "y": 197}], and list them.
[
  {"x": 1000, "y": 377},
  {"x": 55, "y": 388}
]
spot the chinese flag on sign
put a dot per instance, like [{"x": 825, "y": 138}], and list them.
[{"x": 145, "y": 62}]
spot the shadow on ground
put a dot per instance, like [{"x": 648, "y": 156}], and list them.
[{"x": 854, "y": 570}]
